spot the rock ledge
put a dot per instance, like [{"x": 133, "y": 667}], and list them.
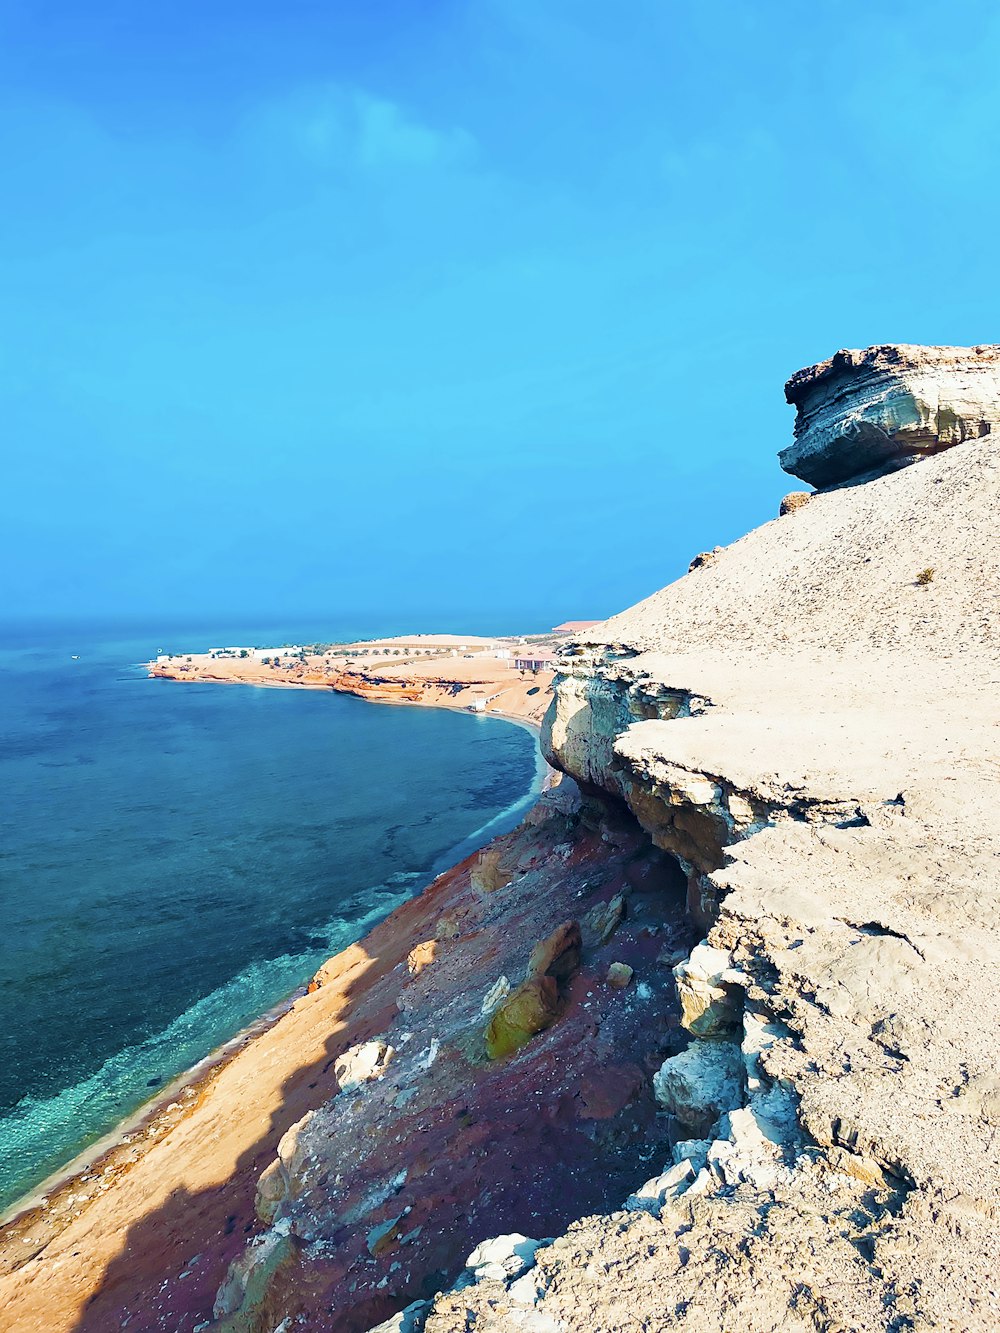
[{"x": 862, "y": 412}]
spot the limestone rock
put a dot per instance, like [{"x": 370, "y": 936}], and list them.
[
  {"x": 650, "y": 1198},
  {"x": 495, "y": 996},
  {"x": 420, "y": 956},
  {"x": 604, "y": 919},
  {"x": 867, "y": 411},
  {"x": 794, "y": 500},
  {"x": 701, "y": 1083},
  {"x": 488, "y": 874},
  {"x": 410, "y": 1320},
  {"x": 271, "y": 1190},
  {"x": 694, "y": 1151},
  {"x": 531, "y": 1008},
  {"x": 709, "y": 991},
  {"x": 558, "y": 956},
  {"x": 619, "y": 975},
  {"x": 362, "y": 1063},
  {"x": 249, "y": 1276},
  {"x": 502, "y": 1257}
]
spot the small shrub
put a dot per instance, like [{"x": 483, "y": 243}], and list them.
[{"x": 925, "y": 576}]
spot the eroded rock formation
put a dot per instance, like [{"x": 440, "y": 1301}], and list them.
[{"x": 861, "y": 412}]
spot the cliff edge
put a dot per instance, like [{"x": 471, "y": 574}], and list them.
[{"x": 808, "y": 722}]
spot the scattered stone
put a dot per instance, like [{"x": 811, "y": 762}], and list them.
[
  {"x": 619, "y": 975},
  {"x": 362, "y": 1063}
]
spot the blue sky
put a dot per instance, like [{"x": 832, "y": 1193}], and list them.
[{"x": 454, "y": 305}]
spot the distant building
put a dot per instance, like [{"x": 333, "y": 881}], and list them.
[
  {"x": 535, "y": 659},
  {"x": 290, "y": 651},
  {"x": 574, "y": 626}
]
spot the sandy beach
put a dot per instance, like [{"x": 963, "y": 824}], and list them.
[{"x": 480, "y": 681}]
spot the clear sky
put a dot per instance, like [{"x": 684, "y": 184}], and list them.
[{"x": 318, "y": 306}]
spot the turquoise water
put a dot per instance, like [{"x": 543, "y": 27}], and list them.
[{"x": 175, "y": 859}]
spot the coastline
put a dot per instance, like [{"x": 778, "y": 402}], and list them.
[{"x": 47, "y": 1214}]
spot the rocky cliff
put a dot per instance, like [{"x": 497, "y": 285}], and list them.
[
  {"x": 808, "y": 724},
  {"x": 865, "y": 411}
]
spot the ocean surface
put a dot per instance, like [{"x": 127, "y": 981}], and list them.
[{"x": 176, "y": 859}]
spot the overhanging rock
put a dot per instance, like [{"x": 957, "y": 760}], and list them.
[{"x": 862, "y": 412}]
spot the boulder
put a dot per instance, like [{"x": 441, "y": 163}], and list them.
[
  {"x": 527, "y": 1010},
  {"x": 384, "y": 1235},
  {"x": 604, "y": 919},
  {"x": 619, "y": 975},
  {"x": 864, "y": 412},
  {"x": 420, "y": 956},
  {"x": 701, "y": 1083},
  {"x": 558, "y": 956},
  {"x": 651, "y": 1197},
  {"x": 244, "y": 1291},
  {"x": 488, "y": 874},
  {"x": 362, "y": 1063},
  {"x": 709, "y": 990},
  {"x": 792, "y": 501},
  {"x": 502, "y": 1257}
]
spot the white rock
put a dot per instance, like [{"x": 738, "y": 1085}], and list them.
[
  {"x": 361, "y": 1064},
  {"x": 496, "y": 994},
  {"x": 709, "y": 991},
  {"x": 701, "y": 1083},
  {"x": 692, "y": 1150},
  {"x": 502, "y": 1257},
  {"x": 527, "y": 1289},
  {"x": 651, "y": 1196}
]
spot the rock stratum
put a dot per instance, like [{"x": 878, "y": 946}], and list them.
[
  {"x": 709, "y": 1043},
  {"x": 861, "y": 412}
]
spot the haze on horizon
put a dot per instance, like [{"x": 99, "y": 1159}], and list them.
[{"x": 454, "y": 304}]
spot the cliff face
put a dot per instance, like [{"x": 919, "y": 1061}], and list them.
[
  {"x": 806, "y": 726},
  {"x": 864, "y": 411},
  {"x": 809, "y": 724}
]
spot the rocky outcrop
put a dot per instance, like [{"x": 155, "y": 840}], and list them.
[
  {"x": 862, "y": 412},
  {"x": 838, "y": 864}
]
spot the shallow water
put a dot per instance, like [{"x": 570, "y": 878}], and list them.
[{"x": 175, "y": 859}]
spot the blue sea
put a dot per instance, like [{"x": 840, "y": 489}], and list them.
[{"x": 176, "y": 859}]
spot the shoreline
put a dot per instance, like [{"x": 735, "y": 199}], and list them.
[{"x": 165, "y": 1109}]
